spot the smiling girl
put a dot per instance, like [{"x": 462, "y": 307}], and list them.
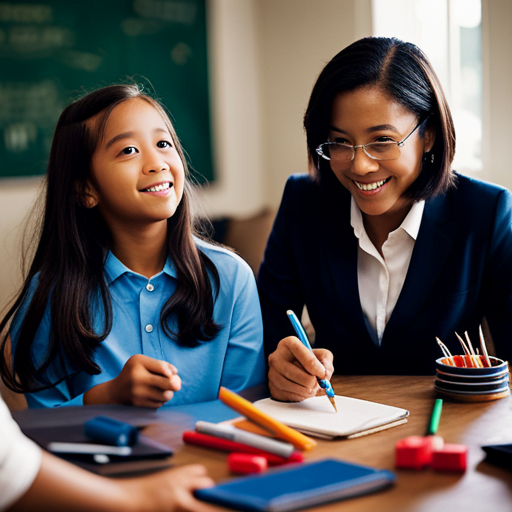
[
  {"x": 385, "y": 244},
  {"x": 123, "y": 303}
]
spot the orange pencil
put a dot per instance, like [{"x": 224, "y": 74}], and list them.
[{"x": 243, "y": 406}]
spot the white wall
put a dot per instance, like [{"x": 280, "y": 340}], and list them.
[
  {"x": 297, "y": 38},
  {"x": 497, "y": 85},
  {"x": 266, "y": 55},
  {"x": 16, "y": 199}
]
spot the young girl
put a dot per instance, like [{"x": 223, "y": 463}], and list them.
[
  {"x": 387, "y": 246},
  {"x": 122, "y": 303}
]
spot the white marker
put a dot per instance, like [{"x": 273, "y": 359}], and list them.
[
  {"x": 241, "y": 436},
  {"x": 89, "y": 448}
]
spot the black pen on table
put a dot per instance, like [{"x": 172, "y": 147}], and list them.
[{"x": 301, "y": 334}]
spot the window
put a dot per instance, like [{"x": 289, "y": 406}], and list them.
[{"x": 449, "y": 32}]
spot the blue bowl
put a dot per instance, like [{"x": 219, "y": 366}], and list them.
[
  {"x": 498, "y": 368},
  {"x": 494, "y": 386}
]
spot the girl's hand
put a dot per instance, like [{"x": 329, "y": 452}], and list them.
[
  {"x": 144, "y": 382},
  {"x": 293, "y": 370}
]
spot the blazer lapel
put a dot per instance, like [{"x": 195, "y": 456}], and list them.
[
  {"x": 341, "y": 256},
  {"x": 428, "y": 259}
]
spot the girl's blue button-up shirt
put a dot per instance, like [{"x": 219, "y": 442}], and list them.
[{"x": 233, "y": 359}]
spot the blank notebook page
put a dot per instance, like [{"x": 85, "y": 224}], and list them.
[{"x": 317, "y": 415}]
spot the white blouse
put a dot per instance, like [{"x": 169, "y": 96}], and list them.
[
  {"x": 20, "y": 460},
  {"x": 381, "y": 279}
]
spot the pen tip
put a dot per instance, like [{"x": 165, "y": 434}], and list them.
[{"x": 333, "y": 402}]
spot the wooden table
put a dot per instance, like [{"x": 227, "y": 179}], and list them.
[{"x": 482, "y": 487}]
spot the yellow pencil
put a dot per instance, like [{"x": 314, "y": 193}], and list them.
[{"x": 243, "y": 406}]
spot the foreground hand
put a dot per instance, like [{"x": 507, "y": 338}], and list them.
[
  {"x": 293, "y": 370},
  {"x": 143, "y": 381},
  {"x": 60, "y": 487},
  {"x": 171, "y": 490}
]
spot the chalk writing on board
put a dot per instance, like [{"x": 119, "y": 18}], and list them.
[{"x": 53, "y": 51}]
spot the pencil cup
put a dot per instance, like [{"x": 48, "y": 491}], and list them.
[{"x": 471, "y": 384}]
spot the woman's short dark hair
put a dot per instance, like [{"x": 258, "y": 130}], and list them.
[{"x": 403, "y": 71}]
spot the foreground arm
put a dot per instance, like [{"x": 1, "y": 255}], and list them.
[
  {"x": 31, "y": 479},
  {"x": 60, "y": 486}
]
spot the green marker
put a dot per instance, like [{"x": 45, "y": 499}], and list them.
[{"x": 435, "y": 417}]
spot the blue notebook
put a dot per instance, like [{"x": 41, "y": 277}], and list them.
[{"x": 297, "y": 486}]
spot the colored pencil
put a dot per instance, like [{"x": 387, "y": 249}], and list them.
[{"x": 280, "y": 430}]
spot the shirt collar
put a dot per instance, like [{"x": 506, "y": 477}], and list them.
[
  {"x": 115, "y": 269},
  {"x": 411, "y": 223}
]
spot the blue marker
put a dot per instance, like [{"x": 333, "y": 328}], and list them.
[{"x": 301, "y": 334}]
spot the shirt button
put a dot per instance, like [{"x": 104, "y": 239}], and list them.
[
  {"x": 149, "y": 328},
  {"x": 150, "y": 287}
]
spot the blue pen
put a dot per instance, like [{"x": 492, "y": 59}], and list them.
[{"x": 301, "y": 334}]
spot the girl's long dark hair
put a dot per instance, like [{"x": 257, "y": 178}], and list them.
[{"x": 73, "y": 243}]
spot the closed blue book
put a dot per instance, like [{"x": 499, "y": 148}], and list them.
[{"x": 297, "y": 486}]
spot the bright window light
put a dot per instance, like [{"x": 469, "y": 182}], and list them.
[{"x": 449, "y": 32}]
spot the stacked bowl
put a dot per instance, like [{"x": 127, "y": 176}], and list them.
[{"x": 470, "y": 384}]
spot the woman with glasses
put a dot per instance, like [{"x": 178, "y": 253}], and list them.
[{"x": 385, "y": 244}]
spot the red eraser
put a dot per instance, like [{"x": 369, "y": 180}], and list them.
[
  {"x": 451, "y": 457},
  {"x": 275, "y": 460},
  {"x": 413, "y": 452},
  {"x": 245, "y": 463},
  {"x": 435, "y": 442}
]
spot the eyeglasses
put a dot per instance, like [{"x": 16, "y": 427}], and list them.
[{"x": 340, "y": 152}]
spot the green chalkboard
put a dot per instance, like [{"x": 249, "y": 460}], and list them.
[{"x": 53, "y": 51}]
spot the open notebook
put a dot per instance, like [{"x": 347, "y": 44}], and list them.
[{"x": 316, "y": 416}]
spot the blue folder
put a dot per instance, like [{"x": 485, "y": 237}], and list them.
[{"x": 297, "y": 486}]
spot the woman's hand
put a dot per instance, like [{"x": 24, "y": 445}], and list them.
[
  {"x": 293, "y": 370},
  {"x": 144, "y": 382}
]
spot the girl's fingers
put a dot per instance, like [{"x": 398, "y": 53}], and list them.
[
  {"x": 163, "y": 383},
  {"x": 147, "y": 400},
  {"x": 147, "y": 382},
  {"x": 144, "y": 391},
  {"x": 158, "y": 366}
]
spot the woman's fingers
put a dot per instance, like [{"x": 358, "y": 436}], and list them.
[
  {"x": 293, "y": 369},
  {"x": 326, "y": 357},
  {"x": 298, "y": 352},
  {"x": 283, "y": 389}
]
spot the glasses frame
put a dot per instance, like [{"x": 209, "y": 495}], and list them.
[{"x": 399, "y": 144}]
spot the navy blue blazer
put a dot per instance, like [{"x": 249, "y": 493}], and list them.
[{"x": 460, "y": 271}]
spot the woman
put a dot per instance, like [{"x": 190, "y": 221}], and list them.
[{"x": 385, "y": 244}]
